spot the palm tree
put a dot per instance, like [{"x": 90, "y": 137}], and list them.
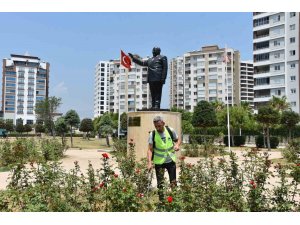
[{"x": 279, "y": 104}]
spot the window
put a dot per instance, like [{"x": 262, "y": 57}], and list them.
[
  {"x": 276, "y": 43},
  {"x": 292, "y": 52},
  {"x": 278, "y": 18},
  {"x": 293, "y": 103},
  {"x": 292, "y": 40},
  {"x": 293, "y": 66},
  {"x": 292, "y": 14},
  {"x": 278, "y": 92},
  {"x": 292, "y": 27},
  {"x": 293, "y": 91},
  {"x": 293, "y": 78},
  {"x": 277, "y": 55},
  {"x": 277, "y": 67}
]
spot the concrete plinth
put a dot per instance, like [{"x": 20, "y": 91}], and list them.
[{"x": 140, "y": 124}]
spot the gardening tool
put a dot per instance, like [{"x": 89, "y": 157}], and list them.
[{"x": 149, "y": 180}]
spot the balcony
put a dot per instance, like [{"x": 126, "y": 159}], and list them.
[{"x": 262, "y": 98}]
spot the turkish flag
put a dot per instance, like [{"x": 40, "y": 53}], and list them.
[{"x": 125, "y": 60}]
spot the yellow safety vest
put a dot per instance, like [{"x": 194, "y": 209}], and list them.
[{"x": 162, "y": 149}]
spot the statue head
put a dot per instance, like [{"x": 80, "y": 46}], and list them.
[{"x": 156, "y": 51}]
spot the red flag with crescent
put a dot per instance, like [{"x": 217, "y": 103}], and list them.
[{"x": 125, "y": 60}]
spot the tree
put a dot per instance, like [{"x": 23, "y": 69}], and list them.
[
  {"x": 27, "y": 128},
  {"x": 9, "y": 125},
  {"x": 186, "y": 117},
  {"x": 2, "y": 124},
  {"x": 45, "y": 109},
  {"x": 239, "y": 118},
  {"x": 268, "y": 117},
  {"x": 106, "y": 126},
  {"x": 123, "y": 121},
  {"x": 19, "y": 126},
  {"x": 279, "y": 104},
  {"x": 204, "y": 116},
  {"x": 289, "y": 119},
  {"x": 39, "y": 128},
  {"x": 72, "y": 119},
  {"x": 61, "y": 128},
  {"x": 86, "y": 125}
]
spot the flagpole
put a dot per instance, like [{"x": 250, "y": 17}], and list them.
[
  {"x": 228, "y": 120},
  {"x": 126, "y": 90},
  {"x": 119, "y": 116}
]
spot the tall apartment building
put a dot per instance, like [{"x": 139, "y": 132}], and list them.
[
  {"x": 101, "y": 88},
  {"x": 276, "y": 57},
  {"x": 110, "y": 96},
  {"x": 176, "y": 83},
  {"x": 25, "y": 81},
  {"x": 201, "y": 75},
  {"x": 247, "y": 82}
]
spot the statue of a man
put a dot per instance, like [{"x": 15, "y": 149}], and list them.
[{"x": 157, "y": 74}]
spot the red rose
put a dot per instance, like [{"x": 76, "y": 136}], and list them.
[
  {"x": 116, "y": 175},
  {"x": 95, "y": 189},
  {"x": 298, "y": 164},
  {"x": 170, "y": 199},
  {"x": 252, "y": 182},
  {"x": 137, "y": 171},
  {"x": 124, "y": 190},
  {"x": 105, "y": 155},
  {"x": 101, "y": 185},
  {"x": 140, "y": 195}
]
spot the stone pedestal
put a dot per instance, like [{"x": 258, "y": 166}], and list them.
[{"x": 140, "y": 124}]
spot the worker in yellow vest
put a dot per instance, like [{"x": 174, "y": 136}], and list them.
[{"x": 163, "y": 142}]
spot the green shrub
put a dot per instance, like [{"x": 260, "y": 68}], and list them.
[
  {"x": 238, "y": 140},
  {"x": 274, "y": 142},
  {"x": 18, "y": 151},
  {"x": 259, "y": 141},
  {"x": 120, "y": 145},
  {"x": 292, "y": 152},
  {"x": 51, "y": 149}
]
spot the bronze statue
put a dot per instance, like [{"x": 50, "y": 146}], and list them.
[{"x": 157, "y": 74}]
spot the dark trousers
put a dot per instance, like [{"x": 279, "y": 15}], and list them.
[
  {"x": 156, "y": 89},
  {"x": 160, "y": 171}
]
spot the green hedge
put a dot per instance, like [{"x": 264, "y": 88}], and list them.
[
  {"x": 259, "y": 141},
  {"x": 238, "y": 140}
]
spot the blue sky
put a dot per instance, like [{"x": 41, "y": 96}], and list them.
[{"x": 74, "y": 42}]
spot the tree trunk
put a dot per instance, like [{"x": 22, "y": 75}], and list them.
[
  {"x": 107, "y": 140},
  {"x": 290, "y": 135},
  {"x": 71, "y": 138},
  {"x": 268, "y": 139},
  {"x": 88, "y": 136},
  {"x": 62, "y": 139}
]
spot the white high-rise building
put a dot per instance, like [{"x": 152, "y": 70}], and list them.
[
  {"x": 201, "y": 75},
  {"x": 247, "y": 82},
  {"x": 110, "y": 88},
  {"x": 276, "y": 57},
  {"x": 25, "y": 81},
  {"x": 101, "y": 88},
  {"x": 176, "y": 83},
  {"x": 138, "y": 91}
]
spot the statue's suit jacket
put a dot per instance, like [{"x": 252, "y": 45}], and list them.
[{"x": 157, "y": 67}]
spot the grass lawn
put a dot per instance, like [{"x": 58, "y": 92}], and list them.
[
  {"x": 4, "y": 169},
  {"x": 93, "y": 143},
  {"x": 79, "y": 142}
]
